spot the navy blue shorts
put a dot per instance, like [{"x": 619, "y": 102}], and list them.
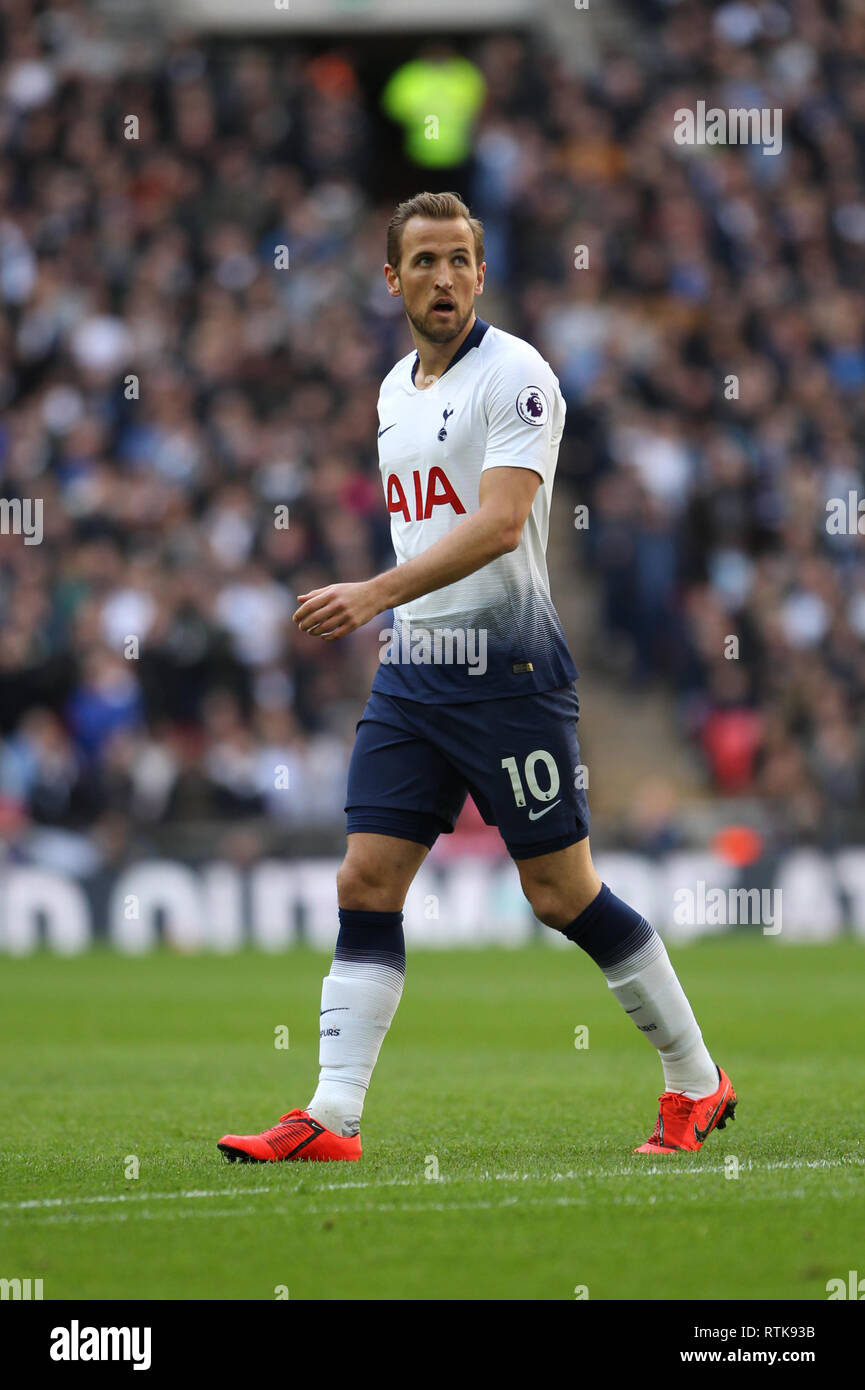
[{"x": 414, "y": 763}]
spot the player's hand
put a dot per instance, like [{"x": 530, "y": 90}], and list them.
[{"x": 336, "y": 610}]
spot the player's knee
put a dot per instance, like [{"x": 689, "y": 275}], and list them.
[
  {"x": 550, "y": 908},
  {"x": 353, "y": 881},
  {"x": 361, "y": 887}
]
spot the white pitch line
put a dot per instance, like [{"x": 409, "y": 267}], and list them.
[
  {"x": 412, "y": 1208},
  {"x": 110, "y": 1198},
  {"x": 748, "y": 1165},
  {"x": 128, "y": 1197}
]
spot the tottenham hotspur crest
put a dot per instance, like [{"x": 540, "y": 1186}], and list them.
[{"x": 532, "y": 406}]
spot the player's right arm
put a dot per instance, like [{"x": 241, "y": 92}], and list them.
[{"x": 505, "y": 497}]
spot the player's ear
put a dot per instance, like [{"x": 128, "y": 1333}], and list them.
[{"x": 392, "y": 278}]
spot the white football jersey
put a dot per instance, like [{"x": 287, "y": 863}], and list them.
[{"x": 496, "y": 632}]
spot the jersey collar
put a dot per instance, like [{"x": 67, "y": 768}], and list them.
[{"x": 471, "y": 340}]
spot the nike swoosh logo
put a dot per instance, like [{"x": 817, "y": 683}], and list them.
[
  {"x": 700, "y": 1134},
  {"x": 342, "y": 1010},
  {"x": 536, "y": 815},
  {"x": 385, "y": 430}
]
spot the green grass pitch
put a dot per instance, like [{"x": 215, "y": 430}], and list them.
[{"x": 538, "y": 1193}]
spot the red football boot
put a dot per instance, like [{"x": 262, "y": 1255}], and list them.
[
  {"x": 297, "y": 1136},
  {"x": 684, "y": 1124}
]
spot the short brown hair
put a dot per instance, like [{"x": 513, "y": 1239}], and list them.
[{"x": 443, "y": 205}]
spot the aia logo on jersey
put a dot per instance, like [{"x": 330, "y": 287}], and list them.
[
  {"x": 532, "y": 406},
  {"x": 439, "y": 493}
]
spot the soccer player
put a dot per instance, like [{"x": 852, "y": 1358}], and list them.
[{"x": 474, "y": 694}]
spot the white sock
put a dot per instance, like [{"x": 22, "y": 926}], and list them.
[
  {"x": 358, "y": 1002},
  {"x": 648, "y": 989}
]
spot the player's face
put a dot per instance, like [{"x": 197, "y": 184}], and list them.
[{"x": 437, "y": 276}]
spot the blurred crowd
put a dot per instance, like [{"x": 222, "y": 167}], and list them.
[
  {"x": 714, "y": 364},
  {"x": 195, "y": 323}
]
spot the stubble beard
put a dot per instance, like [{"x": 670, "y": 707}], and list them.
[{"x": 426, "y": 326}]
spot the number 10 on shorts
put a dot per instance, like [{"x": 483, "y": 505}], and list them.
[{"x": 531, "y": 762}]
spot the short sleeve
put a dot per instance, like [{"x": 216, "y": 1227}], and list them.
[{"x": 522, "y": 409}]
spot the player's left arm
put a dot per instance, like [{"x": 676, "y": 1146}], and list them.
[{"x": 516, "y": 459}]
